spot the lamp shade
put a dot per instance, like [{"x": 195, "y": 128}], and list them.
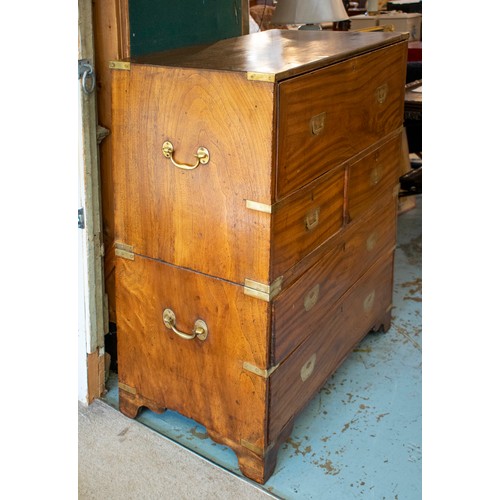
[{"x": 309, "y": 11}]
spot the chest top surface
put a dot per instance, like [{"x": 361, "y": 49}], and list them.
[{"x": 278, "y": 53}]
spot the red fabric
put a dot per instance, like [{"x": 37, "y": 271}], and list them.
[{"x": 414, "y": 51}]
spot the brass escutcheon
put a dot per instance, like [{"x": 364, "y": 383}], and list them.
[
  {"x": 311, "y": 298},
  {"x": 381, "y": 93},
  {"x": 375, "y": 176},
  {"x": 317, "y": 123},
  {"x": 371, "y": 241},
  {"x": 369, "y": 301},
  {"x": 308, "y": 368},
  {"x": 312, "y": 219}
]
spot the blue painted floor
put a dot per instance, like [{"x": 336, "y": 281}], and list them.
[{"x": 361, "y": 436}]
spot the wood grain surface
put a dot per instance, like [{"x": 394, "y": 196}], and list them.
[
  {"x": 298, "y": 379},
  {"x": 279, "y": 53},
  {"x": 304, "y": 220},
  {"x": 299, "y": 190},
  {"x": 203, "y": 380},
  {"x": 112, "y": 36},
  {"x": 304, "y": 307},
  {"x": 195, "y": 219},
  {"x": 373, "y": 178},
  {"x": 349, "y": 94}
]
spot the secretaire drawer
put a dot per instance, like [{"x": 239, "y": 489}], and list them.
[
  {"x": 372, "y": 179},
  {"x": 304, "y": 220},
  {"x": 298, "y": 378},
  {"x": 300, "y": 310},
  {"x": 327, "y": 116}
]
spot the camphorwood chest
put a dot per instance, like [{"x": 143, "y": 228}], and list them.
[{"x": 256, "y": 186}]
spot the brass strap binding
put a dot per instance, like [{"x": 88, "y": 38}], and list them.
[
  {"x": 202, "y": 155},
  {"x": 125, "y": 251},
  {"x": 261, "y": 290},
  {"x": 259, "y": 207},
  {"x": 123, "y": 65},
  {"x": 259, "y": 371},
  {"x": 127, "y": 388}
]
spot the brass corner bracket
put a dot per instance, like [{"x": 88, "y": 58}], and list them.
[
  {"x": 262, "y": 291},
  {"x": 125, "y": 251}
]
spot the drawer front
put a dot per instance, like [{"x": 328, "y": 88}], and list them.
[
  {"x": 329, "y": 115},
  {"x": 372, "y": 180},
  {"x": 305, "y": 306},
  {"x": 201, "y": 379},
  {"x": 306, "y": 219},
  {"x": 298, "y": 378}
]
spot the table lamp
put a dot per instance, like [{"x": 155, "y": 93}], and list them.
[{"x": 309, "y": 13}]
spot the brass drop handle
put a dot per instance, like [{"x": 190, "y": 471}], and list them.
[
  {"x": 200, "y": 329},
  {"x": 202, "y": 155}
]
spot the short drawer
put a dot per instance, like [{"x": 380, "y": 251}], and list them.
[
  {"x": 373, "y": 179},
  {"x": 302, "y": 309},
  {"x": 297, "y": 379},
  {"x": 304, "y": 220},
  {"x": 327, "y": 116}
]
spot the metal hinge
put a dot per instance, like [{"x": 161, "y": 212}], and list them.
[
  {"x": 81, "y": 219},
  {"x": 86, "y": 74}
]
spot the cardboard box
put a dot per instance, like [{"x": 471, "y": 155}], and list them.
[{"x": 363, "y": 21}]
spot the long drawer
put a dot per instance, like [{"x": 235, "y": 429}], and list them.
[
  {"x": 302, "y": 309},
  {"x": 297, "y": 380},
  {"x": 327, "y": 116}
]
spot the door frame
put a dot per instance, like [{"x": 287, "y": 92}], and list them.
[{"x": 92, "y": 310}]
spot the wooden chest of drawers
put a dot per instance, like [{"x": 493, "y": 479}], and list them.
[{"x": 255, "y": 205}]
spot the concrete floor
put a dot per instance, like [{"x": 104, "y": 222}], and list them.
[
  {"x": 359, "y": 438},
  {"x": 119, "y": 458}
]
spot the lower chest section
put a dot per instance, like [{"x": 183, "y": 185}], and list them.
[{"x": 241, "y": 366}]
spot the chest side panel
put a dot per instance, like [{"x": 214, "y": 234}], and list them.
[
  {"x": 202, "y": 379},
  {"x": 327, "y": 116},
  {"x": 196, "y": 218}
]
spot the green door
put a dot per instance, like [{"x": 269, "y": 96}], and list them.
[{"x": 157, "y": 25}]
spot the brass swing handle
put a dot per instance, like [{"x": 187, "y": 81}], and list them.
[
  {"x": 202, "y": 155},
  {"x": 200, "y": 329}
]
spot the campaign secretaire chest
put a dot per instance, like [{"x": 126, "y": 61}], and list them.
[{"x": 255, "y": 205}]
